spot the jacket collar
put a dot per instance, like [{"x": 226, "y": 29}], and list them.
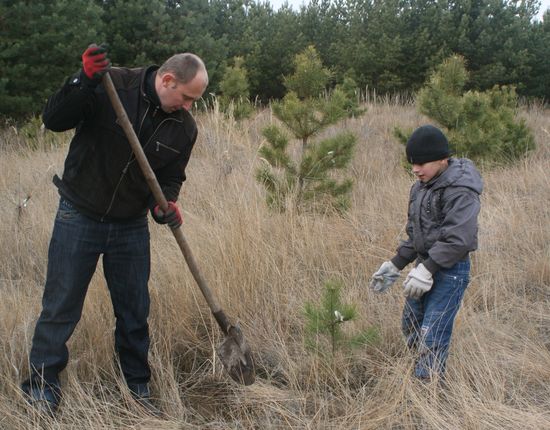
[{"x": 149, "y": 93}]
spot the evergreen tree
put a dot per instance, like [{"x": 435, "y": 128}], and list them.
[
  {"x": 391, "y": 45},
  {"x": 323, "y": 25},
  {"x": 234, "y": 89},
  {"x": 277, "y": 39},
  {"x": 481, "y": 125},
  {"x": 493, "y": 36},
  {"x": 537, "y": 83},
  {"x": 323, "y": 330},
  {"x": 40, "y": 45},
  {"x": 352, "y": 94},
  {"x": 423, "y": 43},
  {"x": 140, "y": 32},
  {"x": 306, "y": 110},
  {"x": 230, "y": 21},
  {"x": 199, "y": 35}
]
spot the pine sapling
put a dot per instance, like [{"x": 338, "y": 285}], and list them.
[
  {"x": 323, "y": 330},
  {"x": 306, "y": 110},
  {"x": 234, "y": 100}
]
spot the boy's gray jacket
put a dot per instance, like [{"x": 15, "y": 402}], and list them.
[{"x": 442, "y": 218}]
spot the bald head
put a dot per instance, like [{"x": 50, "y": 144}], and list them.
[
  {"x": 185, "y": 67},
  {"x": 180, "y": 81}
]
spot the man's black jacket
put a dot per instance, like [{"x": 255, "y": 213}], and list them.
[{"x": 101, "y": 176}]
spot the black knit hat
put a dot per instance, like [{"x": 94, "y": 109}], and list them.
[{"x": 427, "y": 143}]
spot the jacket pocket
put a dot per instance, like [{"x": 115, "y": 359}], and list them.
[{"x": 160, "y": 154}]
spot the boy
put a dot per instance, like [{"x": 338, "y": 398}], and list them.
[{"x": 442, "y": 231}]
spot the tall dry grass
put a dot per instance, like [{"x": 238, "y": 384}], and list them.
[{"x": 264, "y": 266}]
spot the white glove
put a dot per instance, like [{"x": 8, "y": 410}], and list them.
[
  {"x": 384, "y": 277},
  {"x": 418, "y": 282}
]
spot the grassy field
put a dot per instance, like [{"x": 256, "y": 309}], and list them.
[{"x": 264, "y": 267}]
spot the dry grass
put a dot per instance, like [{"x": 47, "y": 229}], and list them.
[{"x": 264, "y": 266}]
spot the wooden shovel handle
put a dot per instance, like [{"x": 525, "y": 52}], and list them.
[{"x": 151, "y": 179}]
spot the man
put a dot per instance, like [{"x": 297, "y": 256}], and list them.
[
  {"x": 103, "y": 207},
  {"x": 442, "y": 229}
]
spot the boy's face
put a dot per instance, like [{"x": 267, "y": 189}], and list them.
[{"x": 427, "y": 171}]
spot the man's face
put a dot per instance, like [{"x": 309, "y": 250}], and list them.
[
  {"x": 427, "y": 171},
  {"x": 174, "y": 95}
]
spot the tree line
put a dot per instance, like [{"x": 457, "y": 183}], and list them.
[{"x": 386, "y": 45}]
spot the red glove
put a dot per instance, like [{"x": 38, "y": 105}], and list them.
[
  {"x": 95, "y": 62},
  {"x": 172, "y": 216}
]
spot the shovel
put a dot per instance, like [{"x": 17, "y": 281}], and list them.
[{"x": 234, "y": 352}]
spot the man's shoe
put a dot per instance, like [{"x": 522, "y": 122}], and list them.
[
  {"x": 44, "y": 407},
  {"x": 142, "y": 396},
  {"x": 43, "y": 400},
  {"x": 148, "y": 407}
]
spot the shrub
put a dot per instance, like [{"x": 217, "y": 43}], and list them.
[{"x": 480, "y": 125}]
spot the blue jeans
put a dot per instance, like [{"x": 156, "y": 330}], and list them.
[
  {"x": 75, "y": 247},
  {"x": 428, "y": 322}
]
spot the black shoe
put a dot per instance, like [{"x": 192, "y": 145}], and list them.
[
  {"x": 42, "y": 399},
  {"x": 141, "y": 394},
  {"x": 44, "y": 407},
  {"x": 148, "y": 407}
]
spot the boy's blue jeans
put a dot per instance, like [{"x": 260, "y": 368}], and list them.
[
  {"x": 428, "y": 322},
  {"x": 75, "y": 247}
]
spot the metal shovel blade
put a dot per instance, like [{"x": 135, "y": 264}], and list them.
[{"x": 236, "y": 356}]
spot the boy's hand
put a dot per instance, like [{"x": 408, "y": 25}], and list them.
[
  {"x": 384, "y": 277},
  {"x": 418, "y": 282},
  {"x": 172, "y": 216}
]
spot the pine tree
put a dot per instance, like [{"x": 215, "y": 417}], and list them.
[
  {"x": 352, "y": 94},
  {"x": 40, "y": 46},
  {"x": 480, "y": 125},
  {"x": 323, "y": 330},
  {"x": 234, "y": 88},
  {"x": 140, "y": 32},
  {"x": 306, "y": 110},
  {"x": 275, "y": 38}
]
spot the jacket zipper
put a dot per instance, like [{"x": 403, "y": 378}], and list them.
[
  {"x": 159, "y": 145},
  {"x": 130, "y": 161}
]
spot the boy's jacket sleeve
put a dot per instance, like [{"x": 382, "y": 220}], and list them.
[{"x": 458, "y": 234}]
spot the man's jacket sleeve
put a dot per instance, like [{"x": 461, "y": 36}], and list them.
[
  {"x": 172, "y": 176},
  {"x": 71, "y": 104}
]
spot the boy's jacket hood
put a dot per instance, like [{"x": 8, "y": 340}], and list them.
[{"x": 460, "y": 173}]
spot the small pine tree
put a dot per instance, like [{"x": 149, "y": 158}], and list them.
[
  {"x": 306, "y": 110},
  {"x": 235, "y": 94},
  {"x": 323, "y": 330},
  {"x": 310, "y": 78},
  {"x": 480, "y": 125},
  {"x": 351, "y": 92}
]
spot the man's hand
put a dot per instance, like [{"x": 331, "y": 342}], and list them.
[
  {"x": 95, "y": 62},
  {"x": 418, "y": 282},
  {"x": 172, "y": 216},
  {"x": 384, "y": 277}
]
